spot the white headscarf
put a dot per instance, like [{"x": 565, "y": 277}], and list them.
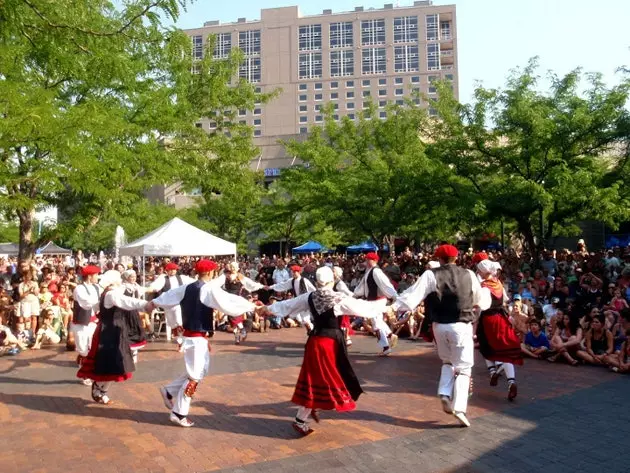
[
  {"x": 488, "y": 267},
  {"x": 111, "y": 277}
]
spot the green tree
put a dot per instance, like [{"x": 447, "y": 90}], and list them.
[
  {"x": 99, "y": 100},
  {"x": 370, "y": 178},
  {"x": 531, "y": 157}
]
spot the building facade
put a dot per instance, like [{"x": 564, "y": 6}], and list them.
[{"x": 346, "y": 59}]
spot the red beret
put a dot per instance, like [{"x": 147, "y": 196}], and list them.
[
  {"x": 446, "y": 251},
  {"x": 372, "y": 256},
  {"x": 171, "y": 266},
  {"x": 89, "y": 270},
  {"x": 296, "y": 268},
  {"x": 205, "y": 266},
  {"x": 479, "y": 257}
]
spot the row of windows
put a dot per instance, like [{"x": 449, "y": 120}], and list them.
[
  {"x": 349, "y": 84},
  {"x": 373, "y": 61}
]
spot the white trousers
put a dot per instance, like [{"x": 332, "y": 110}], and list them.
[
  {"x": 456, "y": 349},
  {"x": 197, "y": 360},
  {"x": 173, "y": 317},
  {"x": 83, "y": 337},
  {"x": 302, "y": 318},
  {"x": 384, "y": 331}
]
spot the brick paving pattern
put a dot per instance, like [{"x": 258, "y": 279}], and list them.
[{"x": 565, "y": 419}]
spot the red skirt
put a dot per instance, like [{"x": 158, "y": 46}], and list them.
[
  {"x": 345, "y": 323},
  {"x": 89, "y": 363},
  {"x": 234, "y": 321},
  {"x": 137, "y": 346},
  {"x": 498, "y": 341},
  {"x": 320, "y": 385}
]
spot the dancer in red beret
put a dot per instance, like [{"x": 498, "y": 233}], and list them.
[
  {"x": 374, "y": 286},
  {"x": 84, "y": 313},
  {"x": 456, "y": 292},
  {"x": 198, "y": 301},
  {"x": 297, "y": 286}
]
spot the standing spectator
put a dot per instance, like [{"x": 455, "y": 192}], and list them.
[
  {"x": 549, "y": 263},
  {"x": 280, "y": 274},
  {"x": 28, "y": 291}
]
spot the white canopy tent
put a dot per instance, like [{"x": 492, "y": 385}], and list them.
[{"x": 178, "y": 238}]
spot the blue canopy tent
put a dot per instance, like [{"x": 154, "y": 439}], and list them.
[
  {"x": 309, "y": 247},
  {"x": 362, "y": 247}
]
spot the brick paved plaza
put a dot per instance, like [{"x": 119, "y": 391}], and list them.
[{"x": 564, "y": 420}]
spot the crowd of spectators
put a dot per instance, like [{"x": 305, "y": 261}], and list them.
[{"x": 568, "y": 306}]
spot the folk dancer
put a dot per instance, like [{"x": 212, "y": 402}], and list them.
[
  {"x": 327, "y": 380},
  {"x": 137, "y": 336},
  {"x": 234, "y": 282},
  {"x": 457, "y": 292},
  {"x": 165, "y": 283},
  {"x": 498, "y": 342},
  {"x": 341, "y": 287},
  {"x": 110, "y": 359},
  {"x": 84, "y": 313},
  {"x": 198, "y": 301},
  {"x": 298, "y": 286},
  {"x": 375, "y": 285}
]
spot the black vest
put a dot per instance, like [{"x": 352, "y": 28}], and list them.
[
  {"x": 132, "y": 293},
  {"x": 454, "y": 301},
  {"x": 325, "y": 324},
  {"x": 81, "y": 316},
  {"x": 372, "y": 286},
  {"x": 196, "y": 317},
  {"x": 233, "y": 287},
  {"x": 167, "y": 283},
  {"x": 301, "y": 286}
]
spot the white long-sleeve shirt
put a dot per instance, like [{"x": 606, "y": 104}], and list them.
[
  {"x": 280, "y": 275},
  {"x": 342, "y": 288},
  {"x": 294, "y": 284},
  {"x": 160, "y": 281},
  {"x": 344, "y": 305},
  {"x": 426, "y": 284},
  {"x": 211, "y": 295},
  {"x": 385, "y": 287},
  {"x": 87, "y": 296},
  {"x": 116, "y": 298}
]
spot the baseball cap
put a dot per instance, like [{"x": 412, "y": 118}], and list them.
[{"x": 517, "y": 297}]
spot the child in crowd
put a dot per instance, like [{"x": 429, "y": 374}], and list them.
[
  {"x": 24, "y": 335},
  {"x": 536, "y": 343},
  {"x": 48, "y": 330},
  {"x": 622, "y": 363},
  {"x": 45, "y": 297}
]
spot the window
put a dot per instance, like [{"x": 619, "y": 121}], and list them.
[
  {"x": 249, "y": 42},
  {"x": 432, "y": 88},
  {"x": 366, "y": 104},
  {"x": 212, "y": 125},
  {"x": 310, "y": 65},
  {"x": 449, "y": 77},
  {"x": 318, "y": 118},
  {"x": 351, "y": 116},
  {"x": 400, "y": 102},
  {"x": 406, "y": 59},
  {"x": 222, "y": 46},
  {"x": 372, "y": 32},
  {"x": 399, "y": 91},
  {"x": 349, "y": 84},
  {"x": 310, "y": 38},
  {"x": 317, "y": 108},
  {"x": 432, "y": 27},
  {"x": 445, "y": 30},
  {"x": 342, "y": 63},
  {"x": 334, "y": 96},
  {"x": 382, "y": 93},
  {"x": 432, "y": 112},
  {"x": 303, "y": 86},
  {"x": 365, "y": 83},
  {"x": 433, "y": 56},
  {"x": 341, "y": 35},
  {"x": 374, "y": 61},
  {"x": 257, "y": 122},
  {"x": 382, "y": 82},
  {"x": 318, "y": 86},
  {"x": 350, "y": 95},
  {"x": 406, "y": 29},
  {"x": 319, "y": 96},
  {"x": 366, "y": 93},
  {"x": 336, "y": 106},
  {"x": 257, "y": 133},
  {"x": 382, "y": 103},
  {"x": 398, "y": 80},
  {"x": 198, "y": 125},
  {"x": 303, "y": 119},
  {"x": 303, "y": 130},
  {"x": 242, "y": 112},
  {"x": 302, "y": 98},
  {"x": 197, "y": 47},
  {"x": 250, "y": 69},
  {"x": 350, "y": 106},
  {"x": 258, "y": 90},
  {"x": 334, "y": 85},
  {"x": 303, "y": 108},
  {"x": 257, "y": 111},
  {"x": 415, "y": 79},
  {"x": 242, "y": 122},
  {"x": 336, "y": 117},
  {"x": 382, "y": 114}
]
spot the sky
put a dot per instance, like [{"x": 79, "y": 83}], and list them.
[{"x": 494, "y": 36}]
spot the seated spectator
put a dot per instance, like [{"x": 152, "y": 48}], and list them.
[
  {"x": 529, "y": 292},
  {"x": 566, "y": 340},
  {"x": 47, "y": 333},
  {"x": 618, "y": 303},
  {"x": 24, "y": 335},
  {"x": 621, "y": 362},
  {"x": 550, "y": 310},
  {"x": 10, "y": 342},
  {"x": 599, "y": 343},
  {"x": 536, "y": 343}
]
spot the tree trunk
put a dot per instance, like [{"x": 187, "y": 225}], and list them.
[
  {"x": 27, "y": 248},
  {"x": 525, "y": 229}
]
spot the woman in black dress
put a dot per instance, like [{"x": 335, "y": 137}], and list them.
[{"x": 137, "y": 337}]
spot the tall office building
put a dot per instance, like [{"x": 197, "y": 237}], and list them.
[{"x": 346, "y": 59}]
